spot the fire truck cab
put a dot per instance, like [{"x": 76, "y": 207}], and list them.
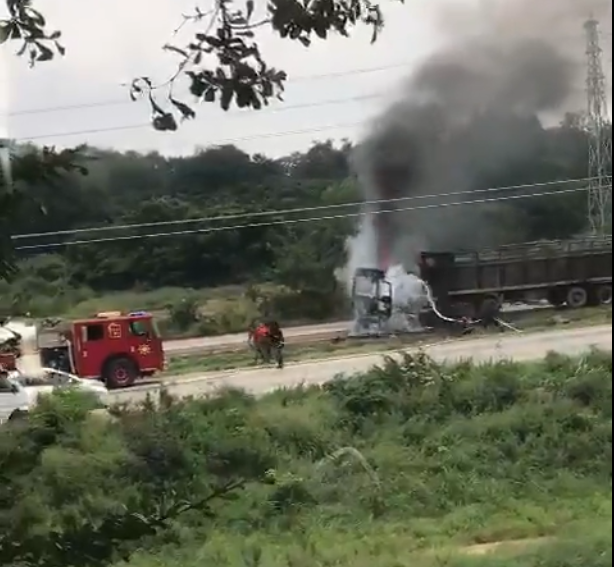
[{"x": 113, "y": 347}]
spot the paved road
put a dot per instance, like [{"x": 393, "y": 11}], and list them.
[
  {"x": 519, "y": 347},
  {"x": 186, "y": 346},
  {"x": 189, "y": 345}
]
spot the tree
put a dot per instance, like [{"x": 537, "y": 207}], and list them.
[
  {"x": 80, "y": 490},
  {"x": 222, "y": 64},
  {"x": 20, "y": 171},
  {"x": 175, "y": 198}
]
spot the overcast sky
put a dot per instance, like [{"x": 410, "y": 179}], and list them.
[{"x": 110, "y": 41}]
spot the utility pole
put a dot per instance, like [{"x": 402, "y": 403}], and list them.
[{"x": 600, "y": 141}]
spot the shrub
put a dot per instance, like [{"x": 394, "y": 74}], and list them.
[{"x": 475, "y": 452}]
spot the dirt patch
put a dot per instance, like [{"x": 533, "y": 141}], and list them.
[{"x": 514, "y": 546}]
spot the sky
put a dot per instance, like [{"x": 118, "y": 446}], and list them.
[
  {"x": 110, "y": 42},
  {"x": 335, "y": 87}
]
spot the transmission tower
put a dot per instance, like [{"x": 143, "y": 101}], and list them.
[{"x": 600, "y": 142}]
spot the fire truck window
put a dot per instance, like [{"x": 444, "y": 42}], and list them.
[
  {"x": 139, "y": 328},
  {"x": 94, "y": 333}
]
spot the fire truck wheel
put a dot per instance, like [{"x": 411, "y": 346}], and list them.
[
  {"x": 577, "y": 297},
  {"x": 120, "y": 372}
]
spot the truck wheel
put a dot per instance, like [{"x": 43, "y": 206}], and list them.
[
  {"x": 120, "y": 373},
  {"x": 604, "y": 294},
  {"x": 577, "y": 297}
]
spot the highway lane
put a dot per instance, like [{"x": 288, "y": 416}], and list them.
[
  {"x": 184, "y": 346},
  {"x": 307, "y": 332},
  {"x": 519, "y": 347}
]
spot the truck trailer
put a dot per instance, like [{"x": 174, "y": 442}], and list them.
[
  {"x": 576, "y": 273},
  {"x": 476, "y": 284}
]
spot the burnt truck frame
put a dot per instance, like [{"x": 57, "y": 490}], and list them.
[{"x": 576, "y": 273}]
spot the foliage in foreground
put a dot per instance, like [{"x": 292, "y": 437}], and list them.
[
  {"x": 374, "y": 469},
  {"x": 222, "y": 63}
]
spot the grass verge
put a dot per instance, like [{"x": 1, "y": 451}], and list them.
[
  {"x": 411, "y": 464},
  {"x": 415, "y": 463},
  {"x": 214, "y": 361}
]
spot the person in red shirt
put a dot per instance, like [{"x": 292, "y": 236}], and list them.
[{"x": 267, "y": 339}]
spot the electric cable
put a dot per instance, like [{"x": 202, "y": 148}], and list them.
[
  {"x": 273, "y": 212},
  {"x": 291, "y": 221}
]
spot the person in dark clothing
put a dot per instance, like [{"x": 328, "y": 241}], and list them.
[{"x": 277, "y": 342}]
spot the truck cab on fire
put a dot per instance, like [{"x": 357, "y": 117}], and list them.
[
  {"x": 371, "y": 301},
  {"x": 111, "y": 347}
]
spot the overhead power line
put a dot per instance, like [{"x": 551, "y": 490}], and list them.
[
  {"x": 219, "y": 141},
  {"x": 291, "y": 221},
  {"x": 298, "y": 79},
  {"x": 126, "y": 100},
  {"x": 273, "y": 212}
]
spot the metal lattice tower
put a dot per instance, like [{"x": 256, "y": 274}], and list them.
[{"x": 600, "y": 143}]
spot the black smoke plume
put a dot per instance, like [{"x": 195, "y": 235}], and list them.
[{"x": 467, "y": 113}]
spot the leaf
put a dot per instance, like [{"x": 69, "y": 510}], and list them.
[
  {"x": 227, "y": 95},
  {"x": 186, "y": 112},
  {"x": 177, "y": 50},
  {"x": 209, "y": 95},
  {"x": 250, "y": 8},
  {"x": 44, "y": 53},
  {"x": 155, "y": 107},
  {"x": 5, "y": 32},
  {"x": 165, "y": 122}
]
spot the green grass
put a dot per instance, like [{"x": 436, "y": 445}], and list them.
[
  {"x": 441, "y": 459},
  {"x": 214, "y": 361},
  {"x": 156, "y": 300},
  {"x": 213, "y": 311},
  {"x": 407, "y": 465},
  {"x": 585, "y": 544}
]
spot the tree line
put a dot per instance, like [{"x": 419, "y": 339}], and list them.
[{"x": 243, "y": 245}]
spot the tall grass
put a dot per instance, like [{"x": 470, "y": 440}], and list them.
[{"x": 408, "y": 464}]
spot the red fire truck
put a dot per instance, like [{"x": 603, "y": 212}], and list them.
[{"x": 113, "y": 347}]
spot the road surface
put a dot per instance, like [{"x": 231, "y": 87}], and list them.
[
  {"x": 185, "y": 346},
  {"x": 307, "y": 332},
  {"x": 519, "y": 347}
]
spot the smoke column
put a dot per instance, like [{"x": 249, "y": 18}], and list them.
[{"x": 470, "y": 109}]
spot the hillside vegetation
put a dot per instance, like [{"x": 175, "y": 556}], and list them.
[
  {"x": 284, "y": 269},
  {"x": 403, "y": 466}
]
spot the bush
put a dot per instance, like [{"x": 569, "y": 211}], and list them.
[{"x": 473, "y": 453}]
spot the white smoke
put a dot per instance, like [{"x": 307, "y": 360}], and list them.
[
  {"x": 409, "y": 298},
  {"x": 362, "y": 246},
  {"x": 361, "y": 252}
]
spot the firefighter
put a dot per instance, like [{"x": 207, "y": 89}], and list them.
[
  {"x": 257, "y": 339},
  {"x": 276, "y": 342}
]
